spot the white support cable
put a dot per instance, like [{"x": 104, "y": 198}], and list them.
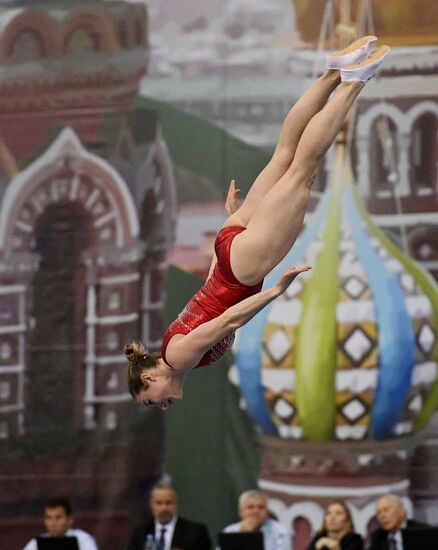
[
  {"x": 365, "y": 19},
  {"x": 361, "y": 23},
  {"x": 326, "y": 24},
  {"x": 366, "y": 22},
  {"x": 387, "y": 144},
  {"x": 345, "y": 9},
  {"x": 370, "y": 17}
]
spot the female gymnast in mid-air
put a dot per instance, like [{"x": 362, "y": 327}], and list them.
[{"x": 258, "y": 235}]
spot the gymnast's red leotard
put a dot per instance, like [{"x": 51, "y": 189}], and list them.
[{"x": 221, "y": 291}]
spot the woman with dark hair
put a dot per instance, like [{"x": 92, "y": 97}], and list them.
[
  {"x": 257, "y": 236},
  {"x": 337, "y": 530}
]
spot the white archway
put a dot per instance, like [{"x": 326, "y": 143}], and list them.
[
  {"x": 403, "y": 122},
  {"x": 38, "y": 185}
]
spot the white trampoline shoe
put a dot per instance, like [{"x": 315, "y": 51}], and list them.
[
  {"x": 356, "y": 52},
  {"x": 366, "y": 69}
]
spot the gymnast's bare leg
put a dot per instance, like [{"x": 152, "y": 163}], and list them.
[
  {"x": 310, "y": 103},
  {"x": 277, "y": 219}
]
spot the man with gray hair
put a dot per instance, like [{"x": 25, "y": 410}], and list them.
[
  {"x": 391, "y": 515},
  {"x": 254, "y": 516}
]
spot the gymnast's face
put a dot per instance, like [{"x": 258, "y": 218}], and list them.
[{"x": 159, "y": 390}]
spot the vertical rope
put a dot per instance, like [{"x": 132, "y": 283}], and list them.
[
  {"x": 387, "y": 143},
  {"x": 327, "y": 29}
]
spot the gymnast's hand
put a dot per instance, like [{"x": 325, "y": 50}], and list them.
[
  {"x": 232, "y": 203},
  {"x": 288, "y": 276}
]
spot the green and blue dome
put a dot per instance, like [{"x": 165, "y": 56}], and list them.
[{"x": 349, "y": 352}]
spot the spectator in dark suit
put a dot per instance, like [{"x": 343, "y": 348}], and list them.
[
  {"x": 169, "y": 531},
  {"x": 337, "y": 530},
  {"x": 391, "y": 515}
]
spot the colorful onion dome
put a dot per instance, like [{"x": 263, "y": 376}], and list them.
[{"x": 350, "y": 350}]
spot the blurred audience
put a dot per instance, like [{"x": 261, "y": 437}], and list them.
[
  {"x": 254, "y": 516},
  {"x": 391, "y": 515},
  {"x": 337, "y": 530},
  {"x": 58, "y": 519},
  {"x": 167, "y": 528}
]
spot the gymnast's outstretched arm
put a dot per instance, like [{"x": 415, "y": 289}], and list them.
[{"x": 186, "y": 351}]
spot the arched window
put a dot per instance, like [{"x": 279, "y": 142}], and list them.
[
  {"x": 424, "y": 154},
  {"x": 302, "y": 532},
  {"x": 27, "y": 46},
  {"x": 82, "y": 41},
  {"x": 383, "y": 156},
  {"x": 112, "y": 340},
  {"x": 139, "y": 31},
  {"x": 123, "y": 34},
  {"x": 114, "y": 300},
  {"x": 62, "y": 232},
  {"x": 111, "y": 420},
  {"x": 5, "y": 351},
  {"x": 4, "y": 430},
  {"x": 5, "y": 391},
  {"x": 125, "y": 149},
  {"x": 424, "y": 244}
]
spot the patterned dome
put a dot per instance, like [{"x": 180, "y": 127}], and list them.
[{"x": 350, "y": 350}]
